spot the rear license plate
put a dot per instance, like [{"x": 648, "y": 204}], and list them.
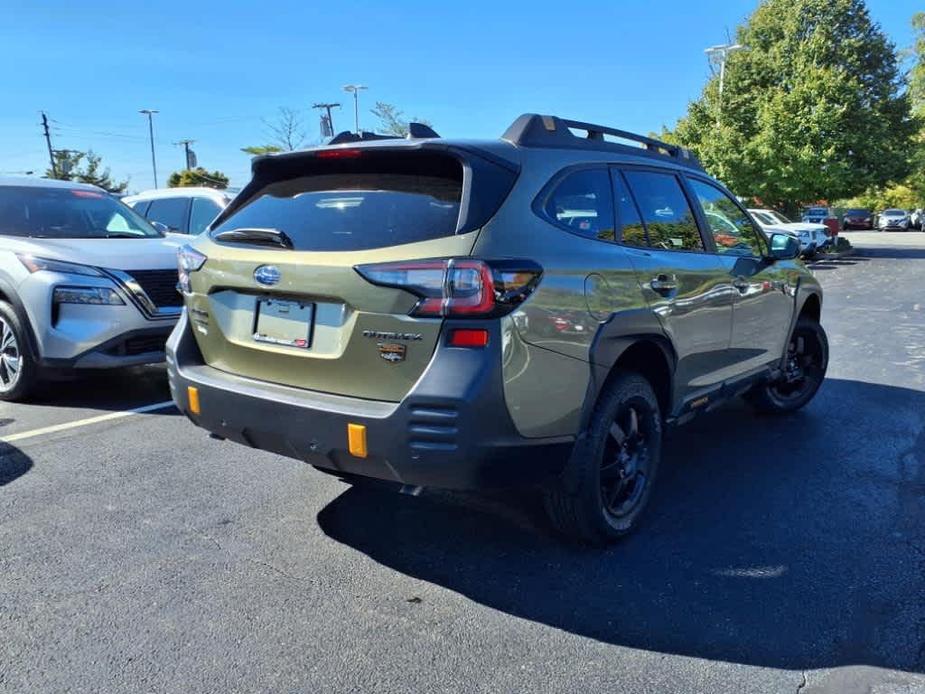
[{"x": 284, "y": 322}]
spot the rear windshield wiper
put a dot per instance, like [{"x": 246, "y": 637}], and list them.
[{"x": 270, "y": 237}]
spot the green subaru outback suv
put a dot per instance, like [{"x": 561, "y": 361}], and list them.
[{"x": 468, "y": 314}]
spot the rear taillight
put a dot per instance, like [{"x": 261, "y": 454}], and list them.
[
  {"x": 459, "y": 287},
  {"x": 188, "y": 260}
]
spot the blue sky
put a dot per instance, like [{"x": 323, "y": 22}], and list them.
[{"x": 216, "y": 70}]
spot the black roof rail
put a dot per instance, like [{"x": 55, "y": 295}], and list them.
[
  {"x": 416, "y": 131},
  {"x": 533, "y": 130}
]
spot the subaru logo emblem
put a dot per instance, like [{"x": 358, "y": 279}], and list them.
[{"x": 267, "y": 275}]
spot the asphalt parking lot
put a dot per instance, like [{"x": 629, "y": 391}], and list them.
[{"x": 779, "y": 555}]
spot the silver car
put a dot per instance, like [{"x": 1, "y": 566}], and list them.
[
  {"x": 85, "y": 282},
  {"x": 893, "y": 219}
]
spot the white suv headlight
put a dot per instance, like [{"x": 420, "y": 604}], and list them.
[
  {"x": 33, "y": 264},
  {"x": 94, "y": 296}
]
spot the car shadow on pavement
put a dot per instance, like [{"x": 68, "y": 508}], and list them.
[
  {"x": 13, "y": 464},
  {"x": 106, "y": 389},
  {"x": 781, "y": 542},
  {"x": 894, "y": 252}
]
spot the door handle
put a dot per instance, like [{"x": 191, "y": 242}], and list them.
[
  {"x": 664, "y": 284},
  {"x": 741, "y": 284}
]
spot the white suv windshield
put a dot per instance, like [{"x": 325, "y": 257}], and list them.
[{"x": 68, "y": 213}]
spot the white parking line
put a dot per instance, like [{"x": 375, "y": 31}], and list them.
[{"x": 84, "y": 422}]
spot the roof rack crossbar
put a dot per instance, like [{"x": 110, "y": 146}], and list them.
[
  {"x": 416, "y": 131},
  {"x": 551, "y": 131}
]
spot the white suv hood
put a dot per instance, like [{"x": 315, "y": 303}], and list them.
[{"x": 117, "y": 254}]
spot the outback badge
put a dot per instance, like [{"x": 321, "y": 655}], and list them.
[{"x": 392, "y": 352}]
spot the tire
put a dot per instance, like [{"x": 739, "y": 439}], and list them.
[
  {"x": 18, "y": 370},
  {"x": 606, "y": 484},
  {"x": 808, "y": 359}
]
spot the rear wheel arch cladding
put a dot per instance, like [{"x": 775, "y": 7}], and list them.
[{"x": 647, "y": 352}]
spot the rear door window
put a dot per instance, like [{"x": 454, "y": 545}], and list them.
[
  {"x": 171, "y": 212},
  {"x": 349, "y": 204},
  {"x": 582, "y": 202},
  {"x": 667, "y": 215}
]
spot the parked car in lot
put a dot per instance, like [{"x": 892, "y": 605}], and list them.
[
  {"x": 821, "y": 233},
  {"x": 180, "y": 210},
  {"x": 916, "y": 219},
  {"x": 85, "y": 282},
  {"x": 893, "y": 219},
  {"x": 824, "y": 216},
  {"x": 771, "y": 223},
  {"x": 383, "y": 308},
  {"x": 857, "y": 218}
]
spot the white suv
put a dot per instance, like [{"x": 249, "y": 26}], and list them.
[
  {"x": 85, "y": 282},
  {"x": 180, "y": 210}
]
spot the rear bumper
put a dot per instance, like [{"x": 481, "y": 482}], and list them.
[{"x": 451, "y": 431}]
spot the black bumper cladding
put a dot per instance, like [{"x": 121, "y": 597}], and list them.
[{"x": 451, "y": 431}]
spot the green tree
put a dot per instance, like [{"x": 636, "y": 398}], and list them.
[
  {"x": 94, "y": 174},
  {"x": 257, "y": 150},
  {"x": 391, "y": 120},
  {"x": 197, "y": 177},
  {"x": 66, "y": 163},
  {"x": 84, "y": 167},
  {"x": 917, "y": 73},
  {"x": 814, "y": 107}
]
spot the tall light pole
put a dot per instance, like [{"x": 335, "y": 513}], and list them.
[
  {"x": 355, "y": 90},
  {"x": 717, "y": 55},
  {"x": 149, "y": 112}
]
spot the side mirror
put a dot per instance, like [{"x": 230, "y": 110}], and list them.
[
  {"x": 783, "y": 247},
  {"x": 163, "y": 228}
]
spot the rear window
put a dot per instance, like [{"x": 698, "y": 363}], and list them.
[{"x": 349, "y": 204}]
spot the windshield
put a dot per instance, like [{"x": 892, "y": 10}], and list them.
[
  {"x": 764, "y": 218},
  {"x": 857, "y": 212},
  {"x": 781, "y": 219},
  {"x": 894, "y": 213},
  {"x": 817, "y": 211},
  {"x": 68, "y": 213}
]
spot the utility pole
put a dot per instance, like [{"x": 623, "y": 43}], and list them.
[
  {"x": 355, "y": 90},
  {"x": 51, "y": 154},
  {"x": 718, "y": 55},
  {"x": 185, "y": 144},
  {"x": 328, "y": 107},
  {"x": 149, "y": 112}
]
